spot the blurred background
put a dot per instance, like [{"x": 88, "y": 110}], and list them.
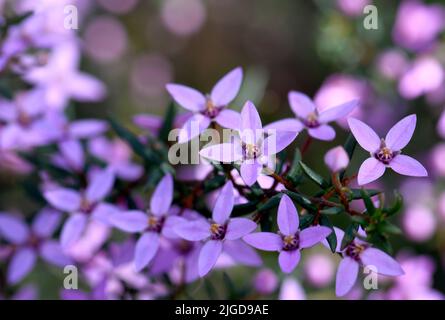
[{"x": 319, "y": 47}]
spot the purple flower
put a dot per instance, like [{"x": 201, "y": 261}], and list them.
[
  {"x": 386, "y": 152},
  {"x": 209, "y": 108},
  {"x": 154, "y": 225},
  {"x": 289, "y": 240},
  {"x": 356, "y": 254},
  {"x": 336, "y": 159},
  {"x": 253, "y": 148},
  {"x": 220, "y": 229},
  {"x": 29, "y": 243},
  {"x": 309, "y": 117},
  {"x": 83, "y": 205}
]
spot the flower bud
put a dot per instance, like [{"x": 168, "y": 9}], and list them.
[{"x": 336, "y": 159}]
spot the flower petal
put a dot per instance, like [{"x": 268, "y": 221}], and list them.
[
  {"x": 145, "y": 250},
  {"x": 162, "y": 197},
  {"x": 73, "y": 229},
  {"x": 224, "y": 204},
  {"x": 46, "y": 222},
  {"x": 301, "y": 104},
  {"x": 323, "y": 132},
  {"x": 291, "y": 125},
  {"x": 88, "y": 128},
  {"x": 208, "y": 256},
  {"x": 242, "y": 253},
  {"x": 226, "y": 89},
  {"x": 129, "y": 221},
  {"x": 313, "y": 235},
  {"x": 249, "y": 172},
  {"x": 21, "y": 264},
  {"x": 266, "y": 241},
  {"x": 193, "y": 127},
  {"x": 224, "y": 152},
  {"x": 336, "y": 159},
  {"x": 288, "y": 260},
  {"x": 229, "y": 119},
  {"x": 63, "y": 199},
  {"x": 401, "y": 133},
  {"x": 278, "y": 141},
  {"x": 100, "y": 185},
  {"x": 13, "y": 229},
  {"x": 408, "y": 166},
  {"x": 239, "y": 227},
  {"x": 187, "y": 97},
  {"x": 370, "y": 170},
  {"x": 346, "y": 276},
  {"x": 365, "y": 136},
  {"x": 72, "y": 151},
  {"x": 337, "y": 112},
  {"x": 250, "y": 119},
  {"x": 52, "y": 252},
  {"x": 383, "y": 263},
  {"x": 196, "y": 230},
  {"x": 287, "y": 217}
]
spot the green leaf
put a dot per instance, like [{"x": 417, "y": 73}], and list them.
[
  {"x": 167, "y": 125},
  {"x": 11, "y": 21},
  {"x": 332, "y": 238},
  {"x": 210, "y": 290},
  {"x": 332, "y": 211},
  {"x": 315, "y": 177},
  {"x": 295, "y": 172},
  {"x": 359, "y": 219},
  {"x": 370, "y": 209},
  {"x": 271, "y": 203},
  {"x": 349, "y": 147},
  {"x": 387, "y": 227},
  {"x": 396, "y": 207},
  {"x": 356, "y": 194},
  {"x": 350, "y": 234},
  {"x": 301, "y": 200},
  {"x": 306, "y": 220},
  {"x": 266, "y": 223},
  {"x": 231, "y": 288},
  {"x": 214, "y": 183},
  {"x": 244, "y": 208}
]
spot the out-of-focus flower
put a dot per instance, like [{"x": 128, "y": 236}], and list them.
[
  {"x": 386, "y": 152},
  {"x": 441, "y": 205},
  {"x": 311, "y": 118},
  {"x": 83, "y": 205},
  {"x": 425, "y": 75},
  {"x": 159, "y": 222},
  {"x": 117, "y": 154},
  {"x": 105, "y": 39},
  {"x": 353, "y": 8},
  {"x": 336, "y": 159},
  {"x": 419, "y": 223},
  {"x": 291, "y": 289},
  {"x": 210, "y": 108},
  {"x": 437, "y": 156},
  {"x": 414, "y": 13},
  {"x": 441, "y": 125},
  {"x": 183, "y": 18},
  {"x": 392, "y": 63},
  {"x": 31, "y": 242},
  {"x": 60, "y": 80},
  {"x": 289, "y": 240},
  {"x": 220, "y": 229},
  {"x": 360, "y": 253},
  {"x": 265, "y": 282},
  {"x": 319, "y": 269},
  {"x": 252, "y": 149}
]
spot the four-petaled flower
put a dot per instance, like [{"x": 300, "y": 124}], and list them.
[
  {"x": 208, "y": 108},
  {"x": 156, "y": 223},
  {"x": 359, "y": 253},
  {"x": 310, "y": 118},
  {"x": 289, "y": 240},
  {"x": 254, "y": 147},
  {"x": 386, "y": 152},
  {"x": 217, "y": 231}
]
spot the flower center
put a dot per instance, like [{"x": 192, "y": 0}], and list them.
[
  {"x": 384, "y": 154},
  {"x": 155, "y": 224},
  {"x": 211, "y": 110},
  {"x": 354, "y": 250},
  {"x": 86, "y": 206},
  {"x": 218, "y": 231},
  {"x": 251, "y": 151},
  {"x": 311, "y": 120},
  {"x": 291, "y": 242}
]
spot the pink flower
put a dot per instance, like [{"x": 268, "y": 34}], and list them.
[
  {"x": 386, "y": 152},
  {"x": 208, "y": 108},
  {"x": 336, "y": 159}
]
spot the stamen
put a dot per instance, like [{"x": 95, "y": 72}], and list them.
[
  {"x": 218, "y": 231},
  {"x": 354, "y": 250},
  {"x": 384, "y": 154},
  {"x": 311, "y": 120},
  {"x": 211, "y": 110},
  {"x": 291, "y": 242},
  {"x": 251, "y": 151},
  {"x": 155, "y": 224}
]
